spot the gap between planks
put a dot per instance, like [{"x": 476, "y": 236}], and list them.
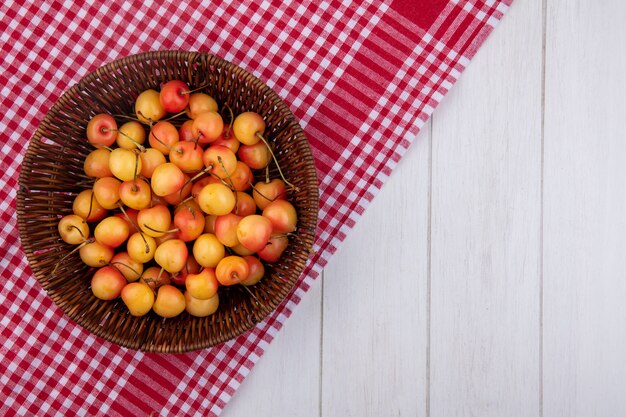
[
  {"x": 428, "y": 259},
  {"x": 544, "y": 8}
]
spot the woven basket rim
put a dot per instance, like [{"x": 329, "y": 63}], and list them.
[{"x": 305, "y": 154}]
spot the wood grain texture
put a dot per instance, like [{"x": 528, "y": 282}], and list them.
[
  {"x": 286, "y": 380},
  {"x": 525, "y": 312},
  {"x": 376, "y": 302},
  {"x": 486, "y": 205},
  {"x": 584, "y": 200}
]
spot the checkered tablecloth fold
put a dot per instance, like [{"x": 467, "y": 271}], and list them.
[{"x": 362, "y": 77}]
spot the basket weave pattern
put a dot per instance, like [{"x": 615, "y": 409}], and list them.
[{"x": 52, "y": 175}]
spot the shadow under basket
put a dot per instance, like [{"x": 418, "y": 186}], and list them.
[{"x": 52, "y": 175}]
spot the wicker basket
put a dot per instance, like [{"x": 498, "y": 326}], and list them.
[{"x": 52, "y": 175}]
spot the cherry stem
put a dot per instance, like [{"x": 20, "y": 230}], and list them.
[
  {"x": 260, "y": 136},
  {"x": 125, "y": 116},
  {"x": 90, "y": 204},
  {"x": 207, "y": 170},
  {"x": 160, "y": 231},
  {"x": 195, "y": 142},
  {"x": 127, "y": 136},
  {"x": 232, "y": 119},
  {"x": 158, "y": 278},
  {"x": 161, "y": 142},
  {"x": 182, "y": 189},
  {"x": 184, "y": 202},
  {"x": 219, "y": 159},
  {"x": 195, "y": 177},
  {"x": 187, "y": 206},
  {"x": 108, "y": 148},
  {"x": 175, "y": 115},
  {"x": 151, "y": 281},
  {"x": 154, "y": 281},
  {"x": 260, "y": 193},
  {"x": 88, "y": 182},
  {"x": 135, "y": 225},
  {"x": 150, "y": 121},
  {"x": 127, "y": 266},
  {"x": 267, "y": 174},
  {"x": 74, "y": 227},
  {"x": 232, "y": 188},
  {"x": 282, "y": 235},
  {"x": 135, "y": 189},
  {"x": 86, "y": 242},
  {"x": 194, "y": 90},
  {"x": 234, "y": 275}
]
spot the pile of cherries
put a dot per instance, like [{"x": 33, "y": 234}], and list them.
[{"x": 175, "y": 212}]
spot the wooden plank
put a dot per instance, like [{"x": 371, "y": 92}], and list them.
[
  {"x": 486, "y": 205},
  {"x": 286, "y": 380},
  {"x": 374, "y": 348},
  {"x": 585, "y": 205}
]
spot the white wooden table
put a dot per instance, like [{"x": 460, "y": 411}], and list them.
[{"x": 488, "y": 277}]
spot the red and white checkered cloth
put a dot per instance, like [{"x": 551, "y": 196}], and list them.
[{"x": 363, "y": 78}]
